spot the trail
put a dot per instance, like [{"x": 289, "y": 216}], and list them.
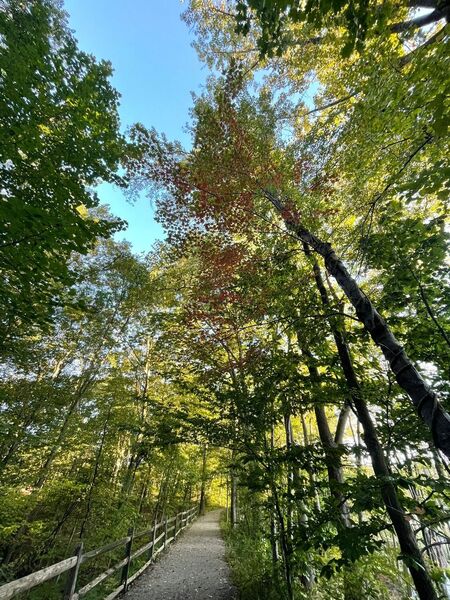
[{"x": 193, "y": 568}]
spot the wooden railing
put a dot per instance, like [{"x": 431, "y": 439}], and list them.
[{"x": 168, "y": 530}]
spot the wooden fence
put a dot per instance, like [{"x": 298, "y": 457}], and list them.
[{"x": 168, "y": 530}]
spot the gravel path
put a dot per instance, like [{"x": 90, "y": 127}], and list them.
[{"x": 193, "y": 568}]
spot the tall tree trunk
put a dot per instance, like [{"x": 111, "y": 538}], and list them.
[
  {"x": 202, "y": 503},
  {"x": 130, "y": 474},
  {"x": 233, "y": 496},
  {"x": 142, "y": 497},
  {"x": 312, "y": 480},
  {"x": 405, "y": 534},
  {"x": 285, "y": 543},
  {"x": 167, "y": 490},
  {"x": 293, "y": 484},
  {"x": 289, "y": 478},
  {"x": 274, "y": 540},
  {"x": 342, "y": 423},
  {"x": 333, "y": 462},
  {"x": 82, "y": 387},
  {"x": 407, "y": 376},
  {"x": 234, "y": 500},
  {"x": 335, "y": 472},
  {"x": 20, "y": 435},
  {"x": 98, "y": 456}
]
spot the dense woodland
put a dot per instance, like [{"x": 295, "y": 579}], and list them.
[{"x": 284, "y": 352}]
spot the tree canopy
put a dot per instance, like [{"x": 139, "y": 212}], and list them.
[
  {"x": 60, "y": 137},
  {"x": 284, "y": 352}
]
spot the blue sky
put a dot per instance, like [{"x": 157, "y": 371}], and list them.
[{"x": 156, "y": 69}]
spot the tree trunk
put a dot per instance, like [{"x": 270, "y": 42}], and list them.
[
  {"x": 202, "y": 503},
  {"x": 333, "y": 462},
  {"x": 335, "y": 473},
  {"x": 289, "y": 478},
  {"x": 407, "y": 376},
  {"x": 312, "y": 480},
  {"x": 405, "y": 534},
  {"x": 274, "y": 541},
  {"x": 98, "y": 456},
  {"x": 342, "y": 423},
  {"x": 293, "y": 484},
  {"x": 285, "y": 543},
  {"x": 234, "y": 500},
  {"x": 128, "y": 482},
  {"x": 83, "y": 385}
]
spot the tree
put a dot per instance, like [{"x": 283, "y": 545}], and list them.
[
  {"x": 95, "y": 432},
  {"x": 215, "y": 201},
  {"x": 359, "y": 20},
  {"x": 60, "y": 136},
  {"x": 235, "y": 170}
]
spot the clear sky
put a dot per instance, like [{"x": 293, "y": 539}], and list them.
[{"x": 156, "y": 69}]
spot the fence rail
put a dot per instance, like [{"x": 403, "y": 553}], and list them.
[{"x": 72, "y": 565}]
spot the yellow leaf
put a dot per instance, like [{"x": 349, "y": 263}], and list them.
[
  {"x": 45, "y": 129},
  {"x": 82, "y": 211}
]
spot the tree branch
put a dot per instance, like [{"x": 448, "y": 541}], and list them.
[
  {"x": 437, "y": 37},
  {"x": 339, "y": 101},
  {"x": 418, "y": 22}
]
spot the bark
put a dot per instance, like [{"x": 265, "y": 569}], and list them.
[
  {"x": 312, "y": 481},
  {"x": 332, "y": 459},
  {"x": 409, "y": 379},
  {"x": 128, "y": 482},
  {"x": 334, "y": 469},
  {"x": 418, "y": 22},
  {"x": 405, "y": 534},
  {"x": 227, "y": 507},
  {"x": 285, "y": 544},
  {"x": 202, "y": 503},
  {"x": 290, "y": 478},
  {"x": 161, "y": 501},
  {"x": 234, "y": 500},
  {"x": 293, "y": 483},
  {"x": 342, "y": 423},
  {"x": 142, "y": 497},
  {"x": 274, "y": 542}
]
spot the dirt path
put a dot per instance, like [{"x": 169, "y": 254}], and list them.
[{"x": 193, "y": 568}]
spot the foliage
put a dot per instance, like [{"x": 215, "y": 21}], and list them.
[
  {"x": 360, "y": 19},
  {"x": 226, "y": 363},
  {"x": 60, "y": 137}
]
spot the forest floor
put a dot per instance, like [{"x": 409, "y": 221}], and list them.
[{"x": 193, "y": 568}]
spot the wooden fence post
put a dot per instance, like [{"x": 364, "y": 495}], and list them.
[
  {"x": 152, "y": 549},
  {"x": 126, "y": 567},
  {"x": 165, "y": 532},
  {"x": 73, "y": 574},
  {"x": 175, "y": 529}
]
